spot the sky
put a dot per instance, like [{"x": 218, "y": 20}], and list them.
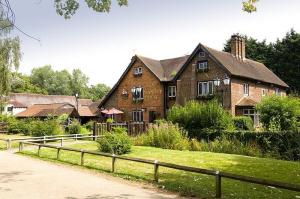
[{"x": 102, "y": 44}]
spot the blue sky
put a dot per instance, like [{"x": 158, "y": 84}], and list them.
[{"x": 102, "y": 44}]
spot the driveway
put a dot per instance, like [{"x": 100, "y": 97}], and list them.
[{"x": 27, "y": 178}]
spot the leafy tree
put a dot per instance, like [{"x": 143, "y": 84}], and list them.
[
  {"x": 98, "y": 91},
  {"x": 279, "y": 113},
  {"x": 43, "y": 77},
  {"x": 68, "y": 8},
  {"x": 61, "y": 83},
  {"x": 22, "y": 84},
  {"x": 79, "y": 83},
  {"x": 282, "y": 56},
  {"x": 249, "y": 6}
]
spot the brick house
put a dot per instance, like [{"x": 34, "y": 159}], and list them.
[{"x": 148, "y": 87}]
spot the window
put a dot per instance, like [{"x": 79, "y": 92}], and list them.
[
  {"x": 205, "y": 88},
  {"x": 138, "y": 93},
  {"x": 277, "y": 92},
  {"x": 246, "y": 89},
  {"x": 264, "y": 92},
  {"x": 138, "y": 71},
  {"x": 253, "y": 114},
  {"x": 10, "y": 109},
  {"x": 172, "y": 91},
  {"x": 201, "y": 54},
  {"x": 137, "y": 116},
  {"x": 202, "y": 65}
]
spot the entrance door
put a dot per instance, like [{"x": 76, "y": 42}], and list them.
[{"x": 152, "y": 116}]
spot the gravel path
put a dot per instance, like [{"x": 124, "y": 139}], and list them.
[{"x": 27, "y": 178}]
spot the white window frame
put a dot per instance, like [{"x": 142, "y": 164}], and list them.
[
  {"x": 138, "y": 71},
  {"x": 172, "y": 91},
  {"x": 246, "y": 89},
  {"x": 201, "y": 54},
  {"x": 139, "y": 93},
  {"x": 207, "y": 88},
  {"x": 202, "y": 65},
  {"x": 250, "y": 112},
  {"x": 137, "y": 116}
]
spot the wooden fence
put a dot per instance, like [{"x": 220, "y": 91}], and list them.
[
  {"x": 46, "y": 138},
  {"x": 218, "y": 174},
  {"x": 133, "y": 128},
  {"x": 3, "y": 127}
]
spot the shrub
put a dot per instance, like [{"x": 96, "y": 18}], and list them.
[
  {"x": 117, "y": 142},
  {"x": 279, "y": 113},
  {"x": 89, "y": 126},
  {"x": 74, "y": 127},
  {"x": 165, "y": 135},
  {"x": 196, "y": 117},
  {"x": 243, "y": 123},
  {"x": 47, "y": 127}
]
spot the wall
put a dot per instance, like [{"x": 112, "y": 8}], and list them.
[{"x": 153, "y": 94}]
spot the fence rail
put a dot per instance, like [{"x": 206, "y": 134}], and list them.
[
  {"x": 44, "y": 139},
  {"x": 218, "y": 174},
  {"x": 133, "y": 128}
]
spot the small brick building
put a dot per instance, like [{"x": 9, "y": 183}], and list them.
[{"x": 148, "y": 87}]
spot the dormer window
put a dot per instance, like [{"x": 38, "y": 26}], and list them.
[
  {"x": 137, "y": 93},
  {"x": 172, "y": 91},
  {"x": 138, "y": 71},
  {"x": 201, "y": 54},
  {"x": 202, "y": 66}
]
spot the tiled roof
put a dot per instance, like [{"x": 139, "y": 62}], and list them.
[
  {"x": 246, "y": 102},
  {"x": 44, "y": 110},
  {"x": 28, "y": 99}
]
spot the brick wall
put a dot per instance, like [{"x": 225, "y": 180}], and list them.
[
  {"x": 153, "y": 94},
  {"x": 187, "y": 82}
]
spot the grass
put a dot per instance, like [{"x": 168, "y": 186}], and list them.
[
  {"x": 7, "y": 136},
  {"x": 186, "y": 183}
]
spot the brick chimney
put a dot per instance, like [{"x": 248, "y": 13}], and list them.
[{"x": 238, "y": 47}]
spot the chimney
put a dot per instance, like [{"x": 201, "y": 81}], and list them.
[{"x": 238, "y": 47}]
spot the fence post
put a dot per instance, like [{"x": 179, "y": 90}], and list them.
[
  {"x": 44, "y": 139},
  {"x": 94, "y": 130},
  {"x": 82, "y": 158},
  {"x": 218, "y": 185},
  {"x": 61, "y": 141},
  {"x": 113, "y": 163},
  {"x": 8, "y": 144},
  {"x": 76, "y": 137},
  {"x": 58, "y": 153},
  {"x": 20, "y": 146},
  {"x": 156, "y": 171},
  {"x": 39, "y": 150}
]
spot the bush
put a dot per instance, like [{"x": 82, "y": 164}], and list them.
[
  {"x": 165, "y": 135},
  {"x": 74, "y": 127},
  {"x": 89, "y": 126},
  {"x": 47, "y": 127},
  {"x": 116, "y": 142},
  {"x": 279, "y": 113},
  {"x": 243, "y": 123},
  {"x": 196, "y": 117}
]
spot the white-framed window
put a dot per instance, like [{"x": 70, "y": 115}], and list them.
[
  {"x": 10, "y": 109},
  {"x": 250, "y": 112},
  {"x": 138, "y": 93},
  {"x": 137, "y": 116},
  {"x": 277, "y": 92},
  {"x": 205, "y": 88},
  {"x": 246, "y": 89},
  {"x": 172, "y": 91},
  {"x": 201, "y": 54},
  {"x": 202, "y": 65},
  {"x": 138, "y": 71},
  {"x": 264, "y": 92}
]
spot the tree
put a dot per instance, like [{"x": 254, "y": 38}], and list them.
[
  {"x": 98, "y": 91},
  {"x": 61, "y": 83},
  {"x": 22, "y": 84},
  {"x": 43, "y": 77},
  {"x": 79, "y": 83},
  {"x": 282, "y": 56},
  {"x": 279, "y": 113},
  {"x": 67, "y": 8},
  {"x": 249, "y": 6}
]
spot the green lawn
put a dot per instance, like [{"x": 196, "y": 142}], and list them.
[
  {"x": 6, "y": 136},
  {"x": 191, "y": 184}
]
